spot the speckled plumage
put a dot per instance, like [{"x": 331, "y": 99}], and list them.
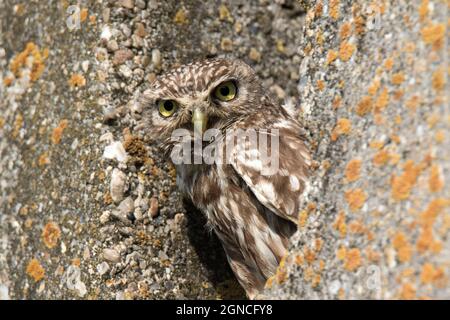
[{"x": 252, "y": 214}]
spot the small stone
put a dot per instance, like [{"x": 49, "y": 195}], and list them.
[
  {"x": 129, "y": 4},
  {"x": 226, "y": 44},
  {"x": 154, "y": 207},
  {"x": 115, "y": 151},
  {"x": 126, "y": 206},
  {"x": 111, "y": 255},
  {"x": 104, "y": 218},
  {"x": 137, "y": 41},
  {"x": 156, "y": 58},
  {"x": 118, "y": 185},
  {"x": 102, "y": 268},
  {"x": 140, "y": 30},
  {"x": 278, "y": 91},
  {"x": 85, "y": 65},
  {"x": 125, "y": 71},
  {"x": 106, "y": 13},
  {"x": 138, "y": 214},
  {"x": 140, "y": 4},
  {"x": 255, "y": 55},
  {"x": 122, "y": 55},
  {"x": 112, "y": 45}
]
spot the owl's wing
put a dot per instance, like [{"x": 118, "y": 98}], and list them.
[{"x": 277, "y": 184}]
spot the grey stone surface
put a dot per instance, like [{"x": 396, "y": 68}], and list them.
[
  {"x": 374, "y": 95},
  {"x": 67, "y": 115},
  {"x": 89, "y": 209}
]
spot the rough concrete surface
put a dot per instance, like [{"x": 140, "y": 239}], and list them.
[{"x": 89, "y": 209}]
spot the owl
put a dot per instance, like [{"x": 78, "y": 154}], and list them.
[{"x": 253, "y": 214}]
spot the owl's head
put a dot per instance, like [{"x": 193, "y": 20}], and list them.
[{"x": 209, "y": 94}]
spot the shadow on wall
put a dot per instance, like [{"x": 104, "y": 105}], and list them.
[{"x": 211, "y": 254}]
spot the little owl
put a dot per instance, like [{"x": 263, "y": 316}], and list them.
[{"x": 253, "y": 214}]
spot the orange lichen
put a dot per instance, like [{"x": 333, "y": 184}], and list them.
[
  {"x": 83, "y": 14},
  {"x": 376, "y": 144},
  {"x": 373, "y": 88},
  {"x": 77, "y": 80},
  {"x": 331, "y": 56},
  {"x": 402, "y": 185},
  {"x": 21, "y": 60},
  {"x": 381, "y": 158},
  {"x": 433, "y": 119},
  {"x": 35, "y": 270},
  {"x": 372, "y": 255},
  {"x": 360, "y": 24},
  {"x": 434, "y": 208},
  {"x": 76, "y": 262},
  {"x": 438, "y": 80},
  {"x": 434, "y": 35},
  {"x": 398, "y": 78},
  {"x": 402, "y": 246},
  {"x": 334, "y": 9},
  {"x": 352, "y": 259},
  {"x": 426, "y": 240},
  {"x": 398, "y": 94},
  {"x": 315, "y": 280},
  {"x": 428, "y": 273},
  {"x": 339, "y": 224},
  {"x": 318, "y": 243},
  {"x": 302, "y": 218},
  {"x": 181, "y": 17},
  {"x": 355, "y": 198},
  {"x": 435, "y": 182},
  {"x": 345, "y": 31},
  {"x": 58, "y": 131},
  {"x": 224, "y": 13},
  {"x": 309, "y": 255},
  {"x": 364, "y": 106},
  {"x": 7, "y": 81},
  {"x": 18, "y": 123},
  {"x": 423, "y": 9},
  {"x": 318, "y": 9},
  {"x": 281, "y": 274},
  {"x": 299, "y": 260},
  {"x": 440, "y": 136},
  {"x": 341, "y": 253},
  {"x": 413, "y": 102},
  {"x": 346, "y": 51},
  {"x": 407, "y": 292},
  {"x": 320, "y": 85},
  {"x": 388, "y": 64},
  {"x": 353, "y": 170},
  {"x": 382, "y": 101},
  {"x": 343, "y": 127},
  {"x": 357, "y": 227},
  {"x": 337, "y": 102},
  {"x": 43, "y": 159},
  {"x": 51, "y": 234}
]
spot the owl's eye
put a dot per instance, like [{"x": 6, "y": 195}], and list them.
[
  {"x": 225, "y": 91},
  {"x": 167, "y": 107}
]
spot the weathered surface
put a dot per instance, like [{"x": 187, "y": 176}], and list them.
[
  {"x": 88, "y": 209},
  {"x": 374, "y": 94}
]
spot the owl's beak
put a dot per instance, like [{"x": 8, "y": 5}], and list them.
[{"x": 199, "y": 119}]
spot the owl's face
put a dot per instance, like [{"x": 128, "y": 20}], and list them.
[{"x": 203, "y": 95}]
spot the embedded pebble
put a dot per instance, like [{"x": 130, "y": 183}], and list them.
[
  {"x": 118, "y": 185},
  {"x": 111, "y": 255}
]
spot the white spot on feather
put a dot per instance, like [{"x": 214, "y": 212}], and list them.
[{"x": 294, "y": 183}]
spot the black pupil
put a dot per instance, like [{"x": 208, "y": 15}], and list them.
[
  {"x": 168, "y": 105},
  {"x": 224, "y": 91}
]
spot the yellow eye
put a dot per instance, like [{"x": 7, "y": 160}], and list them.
[
  {"x": 167, "y": 107},
  {"x": 225, "y": 91}
]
